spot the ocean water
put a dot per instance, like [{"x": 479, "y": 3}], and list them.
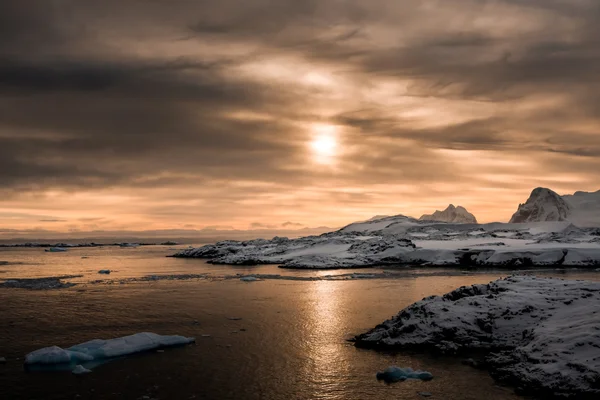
[{"x": 290, "y": 343}]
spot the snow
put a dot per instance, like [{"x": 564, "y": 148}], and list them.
[
  {"x": 543, "y": 205},
  {"x": 542, "y": 334},
  {"x": 401, "y": 240},
  {"x": 585, "y": 208},
  {"x": 581, "y": 208},
  {"x": 396, "y": 374},
  {"x": 101, "y": 349}
]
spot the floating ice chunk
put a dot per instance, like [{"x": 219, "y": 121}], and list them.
[
  {"x": 80, "y": 370},
  {"x": 249, "y": 279},
  {"x": 56, "y": 355},
  {"x": 55, "y": 250},
  {"x": 397, "y": 374},
  {"x": 100, "y": 349},
  {"x": 104, "y": 271}
]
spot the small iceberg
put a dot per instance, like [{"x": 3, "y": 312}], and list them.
[
  {"x": 80, "y": 370},
  {"x": 55, "y": 250},
  {"x": 99, "y": 351},
  {"x": 249, "y": 279},
  {"x": 396, "y": 374}
]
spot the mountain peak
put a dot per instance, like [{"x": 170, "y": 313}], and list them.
[
  {"x": 542, "y": 205},
  {"x": 452, "y": 214}
]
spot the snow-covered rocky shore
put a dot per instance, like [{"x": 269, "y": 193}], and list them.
[
  {"x": 401, "y": 240},
  {"x": 541, "y": 335}
]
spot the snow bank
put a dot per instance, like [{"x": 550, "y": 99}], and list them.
[
  {"x": 100, "y": 349},
  {"x": 543, "y": 334}
]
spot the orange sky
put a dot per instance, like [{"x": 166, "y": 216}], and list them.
[{"x": 255, "y": 114}]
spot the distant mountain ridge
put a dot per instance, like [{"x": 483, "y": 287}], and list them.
[
  {"x": 543, "y": 205},
  {"x": 452, "y": 214}
]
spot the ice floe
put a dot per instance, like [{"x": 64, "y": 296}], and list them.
[
  {"x": 97, "y": 351},
  {"x": 249, "y": 279},
  {"x": 397, "y": 374},
  {"x": 53, "y": 282},
  {"x": 80, "y": 370},
  {"x": 55, "y": 250},
  {"x": 540, "y": 334}
]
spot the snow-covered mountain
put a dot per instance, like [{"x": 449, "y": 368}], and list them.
[
  {"x": 541, "y": 206},
  {"x": 581, "y": 208},
  {"x": 585, "y": 208},
  {"x": 457, "y": 215},
  {"x": 547, "y": 230}
]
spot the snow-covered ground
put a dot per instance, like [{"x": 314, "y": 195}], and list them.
[
  {"x": 540, "y": 334},
  {"x": 407, "y": 241}
]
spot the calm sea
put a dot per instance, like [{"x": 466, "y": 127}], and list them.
[{"x": 273, "y": 339}]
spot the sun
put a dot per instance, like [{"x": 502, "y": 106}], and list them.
[{"x": 324, "y": 144}]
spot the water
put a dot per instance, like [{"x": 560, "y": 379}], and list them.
[{"x": 289, "y": 344}]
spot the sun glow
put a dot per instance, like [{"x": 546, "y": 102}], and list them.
[{"x": 324, "y": 144}]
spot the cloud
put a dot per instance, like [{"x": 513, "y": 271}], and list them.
[
  {"x": 202, "y": 114},
  {"x": 292, "y": 225}
]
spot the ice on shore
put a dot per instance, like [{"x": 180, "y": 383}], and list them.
[
  {"x": 95, "y": 351},
  {"x": 542, "y": 334},
  {"x": 402, "y": 240},
  {"x": 397, "y": 374}
]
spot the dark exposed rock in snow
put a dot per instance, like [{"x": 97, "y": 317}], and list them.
[{"x": 542, "y": 334}]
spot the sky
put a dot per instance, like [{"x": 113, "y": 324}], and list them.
[{"x": 268, "y": 114}]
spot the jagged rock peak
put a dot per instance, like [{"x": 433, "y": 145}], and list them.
[
  {"x": 457, "y": 215},
  {"x": 543, "y": 205}
]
